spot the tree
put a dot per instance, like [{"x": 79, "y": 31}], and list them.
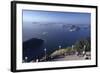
[{"x": 79, "y": 45}]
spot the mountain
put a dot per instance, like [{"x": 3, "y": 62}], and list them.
[
  {"x": 74, "y": 28},
  {"x": 32, "y": 43},
  {"x": 70, "y": 27}
]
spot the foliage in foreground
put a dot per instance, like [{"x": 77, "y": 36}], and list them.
[{"x": 83, "y": 44}]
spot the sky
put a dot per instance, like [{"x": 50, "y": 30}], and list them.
[{"x": 53, "y": 16}]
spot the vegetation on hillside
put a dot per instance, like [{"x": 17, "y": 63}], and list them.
[{"x": 79, "y": 46}]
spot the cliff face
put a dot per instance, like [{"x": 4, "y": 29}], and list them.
[{"x": 32, "y": 43}]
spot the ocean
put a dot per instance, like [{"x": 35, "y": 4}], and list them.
[{"x": 53, "y": 35}]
